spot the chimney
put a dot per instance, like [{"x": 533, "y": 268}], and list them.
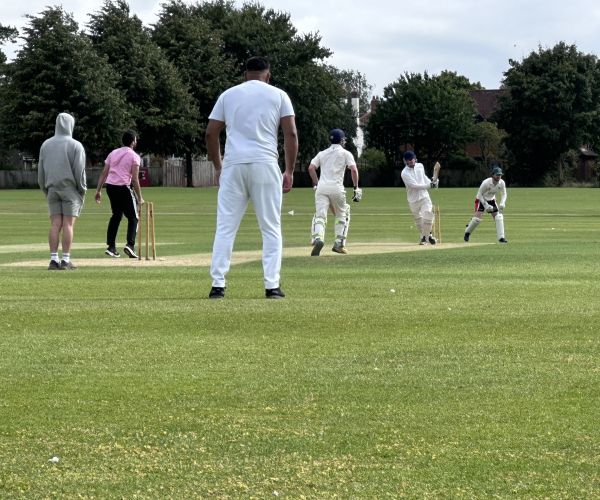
[
  {"x": 355, "y": 103},
  {"x": 374, "y": 102}
]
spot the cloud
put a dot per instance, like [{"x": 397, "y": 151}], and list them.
[{"x": 383, "y": 39}]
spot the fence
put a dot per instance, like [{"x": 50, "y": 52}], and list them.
[
  {"x": 170, "y": 173},
  {"x": 203, "y": 173},
  {"x": 12, "y": 179}
]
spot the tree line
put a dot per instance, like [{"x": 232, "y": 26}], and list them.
[
  {"x": 548, "y": 108},
  {"x": 163, "y": 80}
]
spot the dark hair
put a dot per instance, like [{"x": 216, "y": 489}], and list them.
[
  {"x": 128, "y": 137},
  {"x": 257, "y": 64}
]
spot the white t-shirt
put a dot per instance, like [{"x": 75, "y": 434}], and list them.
[
  {"x": 333, "y": 162},
  {"x": 252, "y": 112},
  {"x": 488, "y": 190},
  {"x": 416, "y": 182}
]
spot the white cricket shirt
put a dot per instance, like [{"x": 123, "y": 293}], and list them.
[
  {"x": 333, "y": 162},
  {"x": 252, "y": 112},
  {"x": 488, "y": 190},
  {"x": 416, "y": 182}
]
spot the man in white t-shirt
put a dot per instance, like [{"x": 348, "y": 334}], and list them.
[
  {"x": 251, "y": 113},
  {"x": 330, "y": 192},
  {"x": 417, "y": 193},
  {"x": 486, "y": 201}
]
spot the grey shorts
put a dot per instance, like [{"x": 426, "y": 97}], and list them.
[{"x": 64, "y": 202}]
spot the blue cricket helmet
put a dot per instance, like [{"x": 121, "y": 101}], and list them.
[{"x": 336, "y": 136}]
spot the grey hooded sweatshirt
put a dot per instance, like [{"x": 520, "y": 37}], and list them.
[{"x": 61, "y": 165}]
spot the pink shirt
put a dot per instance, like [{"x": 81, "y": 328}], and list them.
[{"x": 121, "y": 162}]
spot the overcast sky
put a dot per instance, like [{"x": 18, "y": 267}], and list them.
[{"x": 383, "y": 39}]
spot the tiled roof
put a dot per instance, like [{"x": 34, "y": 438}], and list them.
[{"x": 486, "y": 101}]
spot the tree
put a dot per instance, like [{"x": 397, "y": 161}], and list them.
[
  {"x": 190, "y": 43},
  {"x": 552, "y": 106},
  {"x": 158, "y": 100},
  {"x": 432, "y": 114},
  {"x": 354, "y": 83},
  {"x": 58, "y": 70},
  {"x": 297, "y": 67},
  {"x": 7, "y": 34},
  {"x": 489, "y": 139}
]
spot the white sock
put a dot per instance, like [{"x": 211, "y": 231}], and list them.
[
  {"x": 54, "y": 256},
  {"x": 66, "y": 257}
]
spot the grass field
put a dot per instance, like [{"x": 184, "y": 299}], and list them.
[{"x": 478, "y": 377}]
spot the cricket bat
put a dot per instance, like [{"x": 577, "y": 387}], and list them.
[{"x": 436, "y": 171}]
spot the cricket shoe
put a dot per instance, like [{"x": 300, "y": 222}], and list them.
[
  {"x": 423, "y": 241},
  {"x": 466, "y": 236},
  {"x": 317, "y": 246},
  {"x": 112, "y": 252},
  {"x": 274, "y": 293},
  {"x": 67, "y": 266},
  {"x": 339, "y": 248},
  {"x": 54, "y": 266},
  {"x": 217, "y": 292},
  {"x": 131, "y": 252},
  {"x": 431, "y": 239},
  {"x": 502, "y": 240}
]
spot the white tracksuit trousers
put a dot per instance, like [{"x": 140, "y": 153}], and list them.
[{"x": 239, "y": 183}]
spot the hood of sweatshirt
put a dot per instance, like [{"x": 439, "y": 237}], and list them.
[{"x": 65, "y": 124}]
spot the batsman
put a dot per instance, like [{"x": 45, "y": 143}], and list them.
[
  {"x": 417, "y": 194},
  {"x": 330, "y": 192}
]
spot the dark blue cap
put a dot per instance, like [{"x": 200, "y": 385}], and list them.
[
  {"x": 336, "y": 136},
  {"x": 409, "y": 155}
]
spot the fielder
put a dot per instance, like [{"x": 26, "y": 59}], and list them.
[
  {"x": 417, "y": 186},
  {"x": 330, "y": 192},
  {"x": 486, "y": 201},
  {"x": 121, "y": 176},
  {"x": 252, "y": 114}
]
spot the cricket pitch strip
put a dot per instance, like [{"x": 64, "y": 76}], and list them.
[{"x": 238, "y": 257}]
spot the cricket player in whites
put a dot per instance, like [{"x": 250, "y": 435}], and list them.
[
  {"x": 486, "y": 201},
  {"x": 417, "y": 186},
  {"x": 330, "y": 192}
]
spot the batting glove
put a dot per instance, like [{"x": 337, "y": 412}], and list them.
[
  {"x": 357, "y": 195},
  {"x": 435, "y": 184},
  {"x": 501, "y": 206},
  {"x": 489, "y": 209}
]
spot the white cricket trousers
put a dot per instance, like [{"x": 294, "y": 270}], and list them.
[
  {"x": 422, "y": 211},
  {"x": 239, "y": 183}
]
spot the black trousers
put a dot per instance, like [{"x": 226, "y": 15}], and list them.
[{"x": 122, "y": 202}]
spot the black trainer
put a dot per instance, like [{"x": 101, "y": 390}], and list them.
[
  {"x": 54, "y": 266},
  {"x": 502, "y": 240},
  {"x": 67, "y": 266},
  {"x": 112, "y": 252},
  {"x": 130, "y": 251},
  {"x": 217, "y": 292},
  {"x": 431, "y": 239},
  {"x": 274, "y": 293},
  {"x": 467, "y": 236},
  {"x": 317, "y": 247},
  {"x": 423, "y": 241}
]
